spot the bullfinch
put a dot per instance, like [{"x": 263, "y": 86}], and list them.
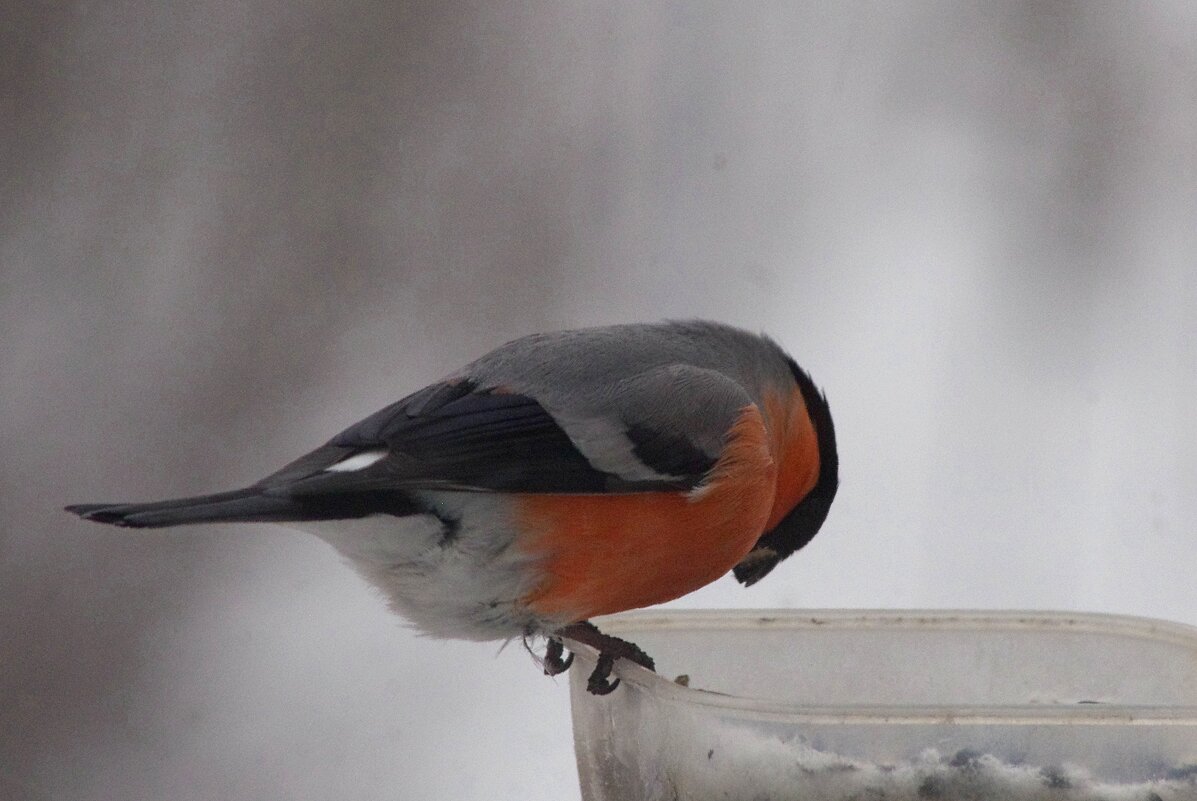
[{"x": 559, "y": 477}]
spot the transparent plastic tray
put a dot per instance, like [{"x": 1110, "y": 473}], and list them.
[{"x": 889, "y": 706}]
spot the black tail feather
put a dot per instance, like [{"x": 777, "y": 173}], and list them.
[
  {"x": 238, "y": 506},
  {"x": 250, "y": 505}
]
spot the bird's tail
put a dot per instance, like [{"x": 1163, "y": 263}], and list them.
[{"x": 238, "y": 506}]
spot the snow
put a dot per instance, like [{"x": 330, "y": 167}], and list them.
[{"x": 747, "y": 765}]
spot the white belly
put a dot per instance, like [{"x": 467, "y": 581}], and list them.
[{"x": 462, "y": 580}]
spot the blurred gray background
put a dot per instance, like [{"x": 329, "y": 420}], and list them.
[{"x": 228, "y": 230}]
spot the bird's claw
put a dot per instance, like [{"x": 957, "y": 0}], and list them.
[
  {"x": 609, "y": 649},
  {"x": 553, "y": 663},
  {"x": 599, "y": 682}
]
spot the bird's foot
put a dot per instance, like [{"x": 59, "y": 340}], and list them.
[
  {"x": 609, "y": 648},
  {"x": 553, "y": 663}
]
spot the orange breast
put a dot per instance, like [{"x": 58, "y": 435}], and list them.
[
  {"x": 796, "y": 445},
  {"x": 608, "y": 553}
]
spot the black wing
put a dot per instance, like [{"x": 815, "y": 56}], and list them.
[{"x": 454, "y": 435}]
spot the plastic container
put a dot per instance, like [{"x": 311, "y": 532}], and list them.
[{"x": 889, "y": 706}]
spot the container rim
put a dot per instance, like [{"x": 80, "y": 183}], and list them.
[{"x": 628, "y": 623}]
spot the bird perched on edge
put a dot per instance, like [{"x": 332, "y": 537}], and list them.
[{"x": 560, "y": 477}]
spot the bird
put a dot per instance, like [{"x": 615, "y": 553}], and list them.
[{"x": 560, "y": 477}]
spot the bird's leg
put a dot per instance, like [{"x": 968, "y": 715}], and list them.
[
  {"x": 553, "y": 663},
  {"x": 609, "y": 648}
]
